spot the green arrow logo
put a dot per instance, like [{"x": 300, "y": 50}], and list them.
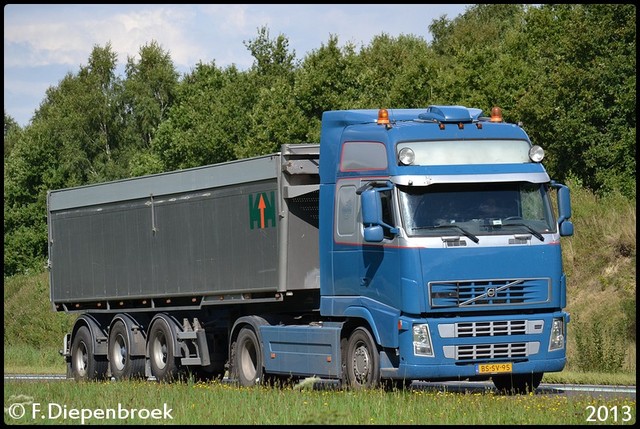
[{"x": 262, "y": 210}]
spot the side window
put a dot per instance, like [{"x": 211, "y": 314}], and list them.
[
  {"x": 359, "y": 156},
  {"x": 387, "y": 213},
  {"x": 346, "y": 208}
]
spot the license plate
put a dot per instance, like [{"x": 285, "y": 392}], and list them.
[{"x": 494, "y": 368}]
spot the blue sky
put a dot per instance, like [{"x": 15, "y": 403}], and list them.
[{"x": 42, "y": 43}]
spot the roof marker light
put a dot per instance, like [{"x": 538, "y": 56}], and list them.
[
  {"x": 496, "y": 114},
  {"x": 383, "y": 117}
]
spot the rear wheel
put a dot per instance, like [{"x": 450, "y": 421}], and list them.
[
  {"x": 85, "y": 365},
  {"x": 247, "y": 358},
  {"x": 363, "y": 362},
  {"x": 162, "y": 357},
  {"x": 123, "y": 365},
  {"x": 517, "y": 384}
]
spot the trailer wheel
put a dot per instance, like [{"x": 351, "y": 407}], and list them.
[
  {"x": 363, "y": 361},
  {"x": 517, "y": 384},
  {"x": 123, "y": 365},
  {"x": 247, "y": 358},
  {"x": 85, "y": 366},
  {"x": 162, "y": 357}
]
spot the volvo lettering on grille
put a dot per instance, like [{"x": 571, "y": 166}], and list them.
[{"x": 472, "y": 293}]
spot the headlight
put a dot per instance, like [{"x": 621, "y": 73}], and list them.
[
  {"x": 422, "y": 340},
  {"x": 556, "y": 339},
  {"x": 536, "y": 153},
  {"x": 406, "y": 156}
]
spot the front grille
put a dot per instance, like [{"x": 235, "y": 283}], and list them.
[
  {"x": 474, "y": 293},
  {"x": 491, "y": 351},
  {"x": 494, "y": 328}
]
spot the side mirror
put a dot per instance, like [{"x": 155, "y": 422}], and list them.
[
  {"x": 371, "y": 208},
  {"x": 371, "y": 203},
  {"x": 566, "y": 228},
  {"x": 564, "y": 211},
  {"x": 373, "y": 234}
]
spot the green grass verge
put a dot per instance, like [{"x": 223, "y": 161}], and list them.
[{"x": 216, "y": 403}]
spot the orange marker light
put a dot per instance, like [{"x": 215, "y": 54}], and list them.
[
  {"x": 496, "y": 114},
  {"x": 383, "y": 116}
]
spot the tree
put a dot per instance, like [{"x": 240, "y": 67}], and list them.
[
  {"x": 10, "y": 127},
  {"x": 581, "y": 105},
  {"x": 326, "y": 80},
  {"x": 149, "y": 92},
  {"x": 209, "y": 120}
]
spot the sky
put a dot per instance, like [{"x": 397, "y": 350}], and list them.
[{"x": 43, "y": 43}]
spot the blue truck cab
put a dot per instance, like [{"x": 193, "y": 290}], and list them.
[{"x": 441, "y": 229}]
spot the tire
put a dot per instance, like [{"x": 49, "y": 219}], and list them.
[
  {"x": 85, "y": 365},
  {"x": 517, "y": 384},
  {"x": 162, "y": 357},
  {"x": 363, "y": 361},
  {"x": 247, "y": 358},
  {"x": 123, "y": 365}
]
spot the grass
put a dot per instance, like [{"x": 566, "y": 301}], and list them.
[{"x": 217, "y": 403}]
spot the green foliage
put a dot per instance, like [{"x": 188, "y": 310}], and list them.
[
  {"x": 327, "y": 79},
  {"x": 149, "y": 92},
  {"x": 11, "y": 128},
  {"x": 209, "y": 121},
  {"x": 599, "y": 340},
  {"x": 273, "y": 121},
  {"x": 29, "y": 316},
  {"x": 581, "y": 105},
  {"x": 600, "y": 262},
  {"x": 566, "y": 71}
]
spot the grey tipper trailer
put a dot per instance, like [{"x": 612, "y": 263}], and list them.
[
  {"x": 197, "y": 233},
  {"x": 187, "y": 243}
]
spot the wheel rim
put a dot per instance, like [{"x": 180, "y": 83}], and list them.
[
  {"x": 248, "y": 361},
  {"x": 159, "y": 350},
  {"x": 81, "y": 359},
  {"x": 119, "y": 353},
  {"x": 361, "y": 363}
]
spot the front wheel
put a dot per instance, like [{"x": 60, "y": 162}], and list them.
[
  {"x": 517, "y": 384},
  {"x": 362, "y": 361},
  {"x": 247, "y": 358}
]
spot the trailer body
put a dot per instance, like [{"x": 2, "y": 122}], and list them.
[
  {"x": 410, "y": 244},
  {"x": 194, "y": 236}
]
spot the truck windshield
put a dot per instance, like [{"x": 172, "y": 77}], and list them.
[{"x": 475, "y": 209}]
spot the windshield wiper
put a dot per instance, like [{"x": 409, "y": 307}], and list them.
[
  {"x": 450, "y": 225},
  {"x": 531, "y": 230}
]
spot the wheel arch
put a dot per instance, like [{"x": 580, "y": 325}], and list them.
[
  {"x": 361, "y": 317},
  {"x": 99, "y": 335},
  {"x": 173, "y": 325},
  {"x": 135, "y": 331},
  {"x": 254, "y": 321}
]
